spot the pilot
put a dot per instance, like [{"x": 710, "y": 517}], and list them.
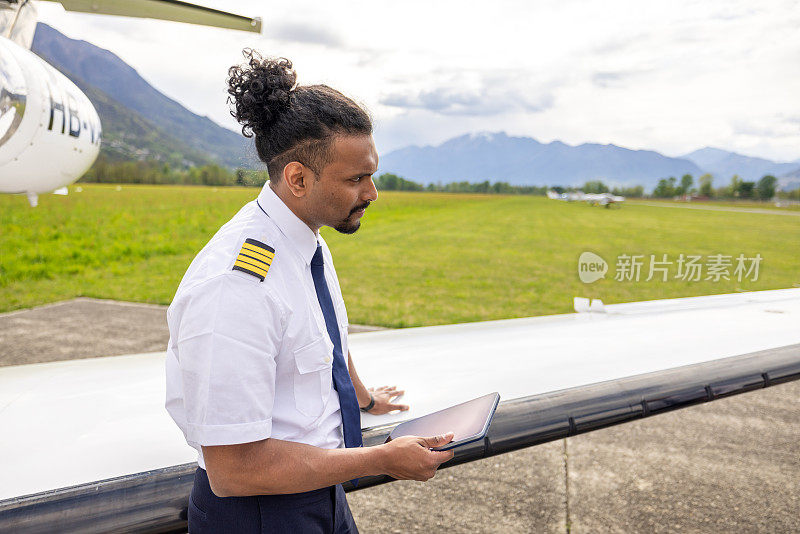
[{"x": 259, "y": 375}]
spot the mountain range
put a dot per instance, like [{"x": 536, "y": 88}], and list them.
[
  {"x": 140, "y": 122},
  {"x": 526, "y": 161}
]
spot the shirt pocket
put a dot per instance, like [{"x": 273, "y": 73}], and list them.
[{"x": 313, "y": 377}]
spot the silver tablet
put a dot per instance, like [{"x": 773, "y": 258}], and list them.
[{"x": 468, "y": 420}]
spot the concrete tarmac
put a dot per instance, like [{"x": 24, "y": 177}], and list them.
[{"x": 728, "y": 466}]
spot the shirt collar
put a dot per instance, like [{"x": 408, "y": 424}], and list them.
[{"x": 298, "y": 232}]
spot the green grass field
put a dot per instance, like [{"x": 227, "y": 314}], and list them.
[{"x": 419, "y": 259}]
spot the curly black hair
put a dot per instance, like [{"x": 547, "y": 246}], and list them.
[{"x": 290, "y": 122}]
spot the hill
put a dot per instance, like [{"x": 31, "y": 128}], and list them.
[
  {"x": 137, "y": 118},
  {"x": 129, "y": 136},
  {"x": 526, "y": 161}
]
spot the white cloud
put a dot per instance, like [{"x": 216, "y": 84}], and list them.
[
  {"x": 670, "y": 76},
  {"x": 473, "y": 92},
  {"x": 301, "y": 32}
]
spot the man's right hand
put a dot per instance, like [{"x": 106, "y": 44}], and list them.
[{"x": 410, "y": 457}]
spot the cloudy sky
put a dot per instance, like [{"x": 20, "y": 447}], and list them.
[{"x": 670, "y": 76}]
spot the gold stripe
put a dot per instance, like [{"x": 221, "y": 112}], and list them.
[
  {"x": 250, "y": 259},
  {"x": 259, "y": 270},
  {"x": 258, "y": 250},
  {"x": 256, "y": 255}
]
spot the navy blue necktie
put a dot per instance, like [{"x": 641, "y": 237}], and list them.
[{"x": 351, "y": 419}]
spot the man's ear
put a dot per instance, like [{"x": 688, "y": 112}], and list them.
[{"x": 296, "y": 177}]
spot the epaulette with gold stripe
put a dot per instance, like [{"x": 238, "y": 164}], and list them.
[{"x": 254, "y": 258}]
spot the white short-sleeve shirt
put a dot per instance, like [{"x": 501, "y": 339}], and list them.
[{"x": 251, "y": 359}]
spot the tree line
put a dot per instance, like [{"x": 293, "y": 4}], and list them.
[
  {"x": 106, "y": 170},
  {"x": 764, "y": 189},
  {"x": 392, "y": 182}
]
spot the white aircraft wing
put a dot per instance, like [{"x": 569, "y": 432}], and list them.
[
  {"x": 443, "y": 365},
  {"x": 89, "y": 447},
  {"x": 173, "y": 10}
]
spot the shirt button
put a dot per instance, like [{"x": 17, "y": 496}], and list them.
[{"x": 327, "y": 359}]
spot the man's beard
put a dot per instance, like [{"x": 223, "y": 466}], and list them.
[
  {"x": 350, "y": 227},
  {"x": 346, "y": 227}
]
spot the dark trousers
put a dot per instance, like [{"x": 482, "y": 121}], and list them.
[{"x": 322, "y": 511}]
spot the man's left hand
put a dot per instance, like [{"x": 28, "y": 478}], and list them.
[{"x": 384, "y": 396}]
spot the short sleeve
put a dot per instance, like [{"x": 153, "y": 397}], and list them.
[{"x": 228, "y": 336}]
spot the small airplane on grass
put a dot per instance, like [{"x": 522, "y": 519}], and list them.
[{"x": 594, "y": 199}]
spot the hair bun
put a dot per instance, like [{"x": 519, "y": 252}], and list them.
[{"x": 260, "y": 91}]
